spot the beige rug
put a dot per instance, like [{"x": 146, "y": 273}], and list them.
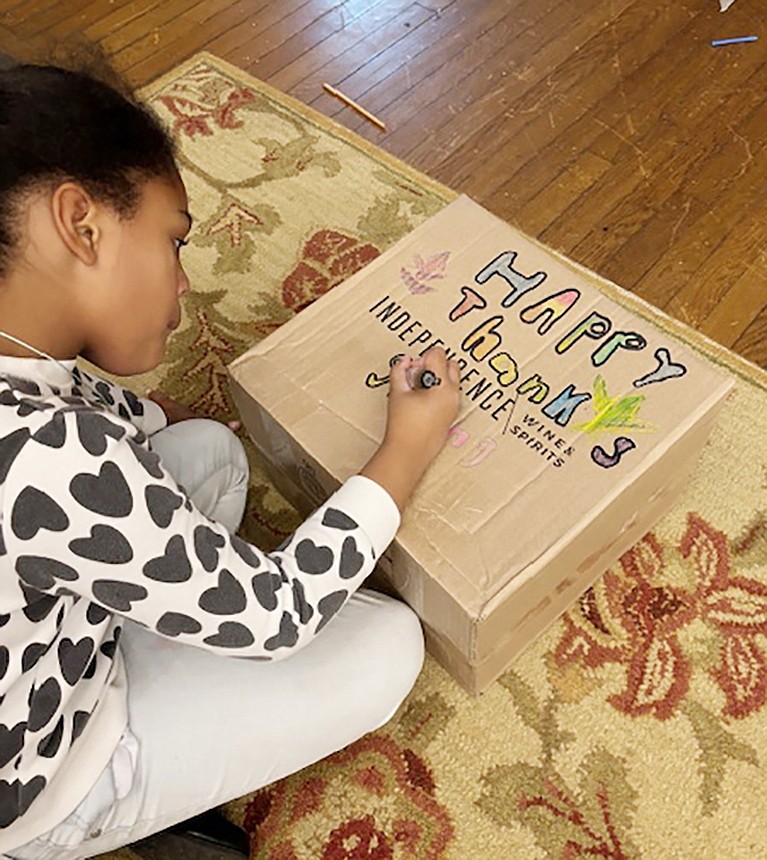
[{"x": 636, "y": 727}]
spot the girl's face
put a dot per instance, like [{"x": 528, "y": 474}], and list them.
[{"x": 133, "y": 303}]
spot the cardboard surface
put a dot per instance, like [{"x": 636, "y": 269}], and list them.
[{"x": 579, "y": 423}]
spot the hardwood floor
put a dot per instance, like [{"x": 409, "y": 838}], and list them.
[{"x": 610, "y": 129}]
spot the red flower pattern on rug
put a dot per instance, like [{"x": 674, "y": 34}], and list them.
[
  {"x": 327, "y": 259},
  {"x": 634, "y": 618},
  {"x": 387, "y": 793},
  {"x": 193, "y": 116}
]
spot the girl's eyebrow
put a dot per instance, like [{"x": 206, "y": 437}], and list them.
[{"x": 188, "y": 217}]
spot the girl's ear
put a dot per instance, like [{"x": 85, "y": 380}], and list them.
[{"x": 75, "y": 216}]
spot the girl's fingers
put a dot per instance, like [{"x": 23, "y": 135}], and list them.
[
  {"x": 398, "y": 373},
  {"x": 404, "y": 369},
  {"x": 454, "y": 372},
  {"x": 437, "y": 361}
]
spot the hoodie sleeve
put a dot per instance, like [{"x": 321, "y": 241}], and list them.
[
  {"x": 142, "y": 412},
  {"x": 98, "y": 516}
]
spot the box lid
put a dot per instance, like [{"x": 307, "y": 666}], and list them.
[{"x": 567, "y": 396}]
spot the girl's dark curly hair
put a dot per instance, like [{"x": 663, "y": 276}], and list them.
[{"x": 59, "y": 124}]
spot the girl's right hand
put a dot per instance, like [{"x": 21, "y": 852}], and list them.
[
  {"x": 417, "y": 424},
  {"x": 419, "y": 418}
]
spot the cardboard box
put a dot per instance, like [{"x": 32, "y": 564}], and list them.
[{"x": 579, "y": 425}]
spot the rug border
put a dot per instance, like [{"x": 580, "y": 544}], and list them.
[
  {"x": 310, "y": 113},
  {"x": 712, "y": 350}
]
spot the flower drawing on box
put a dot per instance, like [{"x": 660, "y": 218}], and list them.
[
  {"x": 420, "y": 273},
  {"x": 327, "y": 258},
  {"x": 662, "y": 633}
]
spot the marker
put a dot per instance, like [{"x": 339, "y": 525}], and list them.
[
  {"x": 422, "y": 379},
  {"x": 736, "y": 40},
  {"x": 419, "y": 378}
]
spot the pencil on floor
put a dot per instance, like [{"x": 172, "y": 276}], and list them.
[
  {"x": 734, "y": 41},
  {"x": 354, "y": 106}
]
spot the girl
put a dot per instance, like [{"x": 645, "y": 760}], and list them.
[{"x": 124, "y": 592}]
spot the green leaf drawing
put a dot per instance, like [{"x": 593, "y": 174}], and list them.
[{"x": 615, "y": 413}]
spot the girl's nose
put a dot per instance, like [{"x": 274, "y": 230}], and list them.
[{"x": 183, "y": 282}]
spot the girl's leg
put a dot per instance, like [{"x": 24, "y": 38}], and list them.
[
  {"x": 212, "y": 728},
  {"x": 209, "y": 462}
]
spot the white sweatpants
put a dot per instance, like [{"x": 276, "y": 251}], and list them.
[{"x": 206, "y": 728}]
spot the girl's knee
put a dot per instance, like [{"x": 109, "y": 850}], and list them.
[
  {"x": 224, "y": 445},
  {"x": 216, "y": 449},
  {"x": 208, "y": 460},
  {"x": 395, "y": 646}
]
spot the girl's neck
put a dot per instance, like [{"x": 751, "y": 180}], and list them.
[
  {"x": 32, "y": 321},
  {"x": 24, "y": 349}
]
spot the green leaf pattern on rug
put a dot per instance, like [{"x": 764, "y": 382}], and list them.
[
  {"x": 283, "y": 160},
  {"x": 230, "y": 230},
  {"x": 750, "y": 546},
  {"x": 391, "y": 217},
  {"x": 422, "y": 204},
  {"x": 542, "y": 719},
  {"x": 384, "y": 223},
  {"x": 267, "y": 313},
  {"x": 594, "y": 820},
  {"x": 717, "y": 746},
  {"x": 200, "y": 352},
  {"x": 423, "y": 720}
]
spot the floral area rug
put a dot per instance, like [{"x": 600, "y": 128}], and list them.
[{"x": 636, "y": 726}]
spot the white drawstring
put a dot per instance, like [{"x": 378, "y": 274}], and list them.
[{"x": 34, "y": 349}]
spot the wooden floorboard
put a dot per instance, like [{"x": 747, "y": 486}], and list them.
[
  {"x": 290, "y": 47},
  {"x": 610, "y": 129},
  {"x": 602, "y": 127},
  {"x": 360, "y": 48},
  {"x": 630, "y": 205},
  {"x": 549, "y": 101},
  {"x": 417, "y": 42}
]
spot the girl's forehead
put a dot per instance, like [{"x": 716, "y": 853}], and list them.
[{"x": 166, "y": 193}]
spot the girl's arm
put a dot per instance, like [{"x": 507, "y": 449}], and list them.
[
  {"x": 417, "y": 424},
  {"x": 100, "y": 518},
  {"x": 89, "y": 510},
  {"x": 143, "y": 412}
]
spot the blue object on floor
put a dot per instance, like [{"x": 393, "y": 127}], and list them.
[{"x": 734, "y": 41}]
